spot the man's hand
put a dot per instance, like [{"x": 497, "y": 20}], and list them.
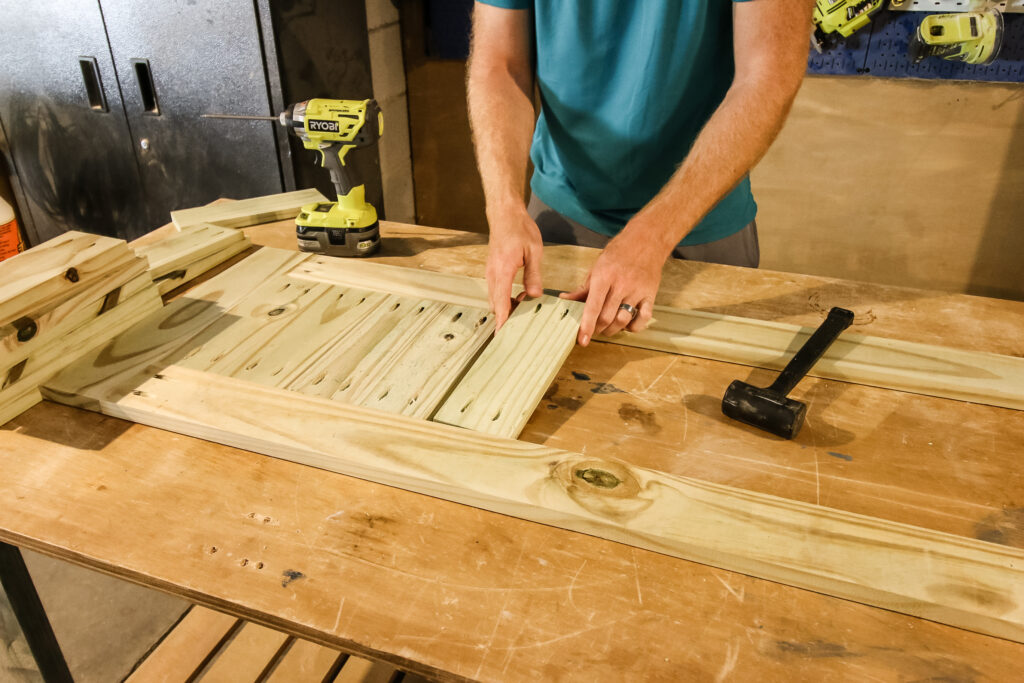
[
  {"x": 514, "y": 243},
  {"x": 500, "y": 99},
  {"x": 628, "y": 271}
]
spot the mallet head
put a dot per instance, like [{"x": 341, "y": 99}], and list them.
[{"x": 763, "y": 408}]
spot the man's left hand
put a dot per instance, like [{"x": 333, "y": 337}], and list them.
[{"x": 628, "y": 271}]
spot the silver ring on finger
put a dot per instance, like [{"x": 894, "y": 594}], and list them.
[{"x": 628, "y": 308}]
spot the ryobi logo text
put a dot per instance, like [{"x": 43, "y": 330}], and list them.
[{"x": 322, "y": 126}]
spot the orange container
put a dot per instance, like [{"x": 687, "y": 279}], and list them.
[{"x": 10, "y": 238}]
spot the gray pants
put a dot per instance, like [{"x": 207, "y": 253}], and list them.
[{"x": 738, "y": 249}]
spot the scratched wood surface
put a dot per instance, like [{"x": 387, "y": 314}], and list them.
[{"x": 509, "y": 599}]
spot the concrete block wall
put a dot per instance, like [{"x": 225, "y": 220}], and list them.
[{"x": 388, "y": 74}]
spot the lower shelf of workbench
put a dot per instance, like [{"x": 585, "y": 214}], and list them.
[{"x": 209, "y": 647}]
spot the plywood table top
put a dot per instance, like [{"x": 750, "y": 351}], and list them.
[{"x": 456, "y": 592}]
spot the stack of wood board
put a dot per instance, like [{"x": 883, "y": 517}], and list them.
[
  {"x": 60, "y": 300},
  {"x": 182, "y": 256},
  {"x": 246, "y": 212}
]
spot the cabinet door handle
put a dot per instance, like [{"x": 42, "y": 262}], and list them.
[
  {"x": 93, "y": 84},
  {"x": 144, "y": 78}
]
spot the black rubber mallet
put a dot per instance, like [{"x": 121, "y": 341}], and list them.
[{"x": 768, "y": 408}]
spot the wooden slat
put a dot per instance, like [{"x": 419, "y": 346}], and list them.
[
  {"x": 505, "y": 384},
  {"x": 178, "y": 249},
  {"x": 334, "y": 364},
  {"x": 246, "y": 212},
  {"x": 412, "y": 368},
  {"x": 359, "y": 670},
  {"x": 252, "y": 651},
  {"x": 184, "y": 275},
  {"x": 53, "y": 324},
  {"x": 453, "y": 289},
  {"x": 304, "y": 662},
  {"x": 187, "y": 648},
  {"x": 950, "y": 579},
  {"x": 973, "y": 376},
  {"x": 986, "y": 378},
  {"x": 185, "y": 324},
  {"x": 42, "y": 277},
  {"x": 182, "y": 256},
  {"x": 18, "y": 389}
]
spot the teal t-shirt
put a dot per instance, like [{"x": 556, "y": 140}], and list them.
[{"x": 625, "y": 87}]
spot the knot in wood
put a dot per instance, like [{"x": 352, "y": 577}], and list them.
[
  {"x": 71, "y": 275},
  {"x": 599, "y": 478}
]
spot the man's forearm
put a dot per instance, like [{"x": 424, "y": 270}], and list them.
[
  {"x": 502, "y": 119},
  {"x": 731, "y": 143},
  {"x": 742, "y": 128}
]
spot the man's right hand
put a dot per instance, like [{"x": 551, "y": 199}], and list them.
[{"x": 514, "y": 244}]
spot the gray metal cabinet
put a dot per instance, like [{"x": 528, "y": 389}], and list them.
[
  {"x": 176, "y": 60},
  {"x": 100, "y": 104},
  {"x": 69, "y": 144}
]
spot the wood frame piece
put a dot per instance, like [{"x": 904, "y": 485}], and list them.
[
  {"x": 246, "y": 212},
  {"x": 958, "y": 581}
]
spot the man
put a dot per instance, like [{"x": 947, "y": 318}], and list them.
[{"x": 653, "y": 112}]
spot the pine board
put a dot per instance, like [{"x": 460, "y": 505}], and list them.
[
  {"x": 176, "y": 278},
  {"x": 246, "y": 212},
  {"x": 19, "y": 389},
  {"x": 123, "y": 283},
  {"x": 304, "y": 662},
  {"x": 37, "y": 280},
  {"x": 187, "y": 648},
  {"x": 505, "y": 384},
  {"x": 191, "y": 244},
  {"x": 182, "y": 256},
  {"x": 949, "y": 579},
  {"x": 973, "y": 376},
  {"x": 453, "y": 289},
  {"x": 359, "y": 670},
  {"x": 249, "y": 654}
]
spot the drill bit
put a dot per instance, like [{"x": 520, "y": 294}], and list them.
[{"x": 238, "y": 116}]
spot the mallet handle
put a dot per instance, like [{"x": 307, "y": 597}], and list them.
[{"x": 813, "y": 349}]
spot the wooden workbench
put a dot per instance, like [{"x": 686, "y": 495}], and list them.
[{"x": 454, "y": 592}]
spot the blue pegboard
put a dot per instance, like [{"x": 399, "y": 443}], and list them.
[
  {"x": 887, "y": 52},
  {"x": 880, "y": 49}
]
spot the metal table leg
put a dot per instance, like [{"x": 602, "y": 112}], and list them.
[{"x": 28, "y": 610}]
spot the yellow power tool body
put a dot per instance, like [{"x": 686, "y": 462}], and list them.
[{"x": 347, "y": 226}]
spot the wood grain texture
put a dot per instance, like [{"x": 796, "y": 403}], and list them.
[
  {"x": 36, "y": 280},
  {"x": 970, "y": 584},
  {"x": 245, "y": 212},
  {"x": 251, "y": 652},
  {"x": 304, "y": 662},
  {"x": 359, "y": 670},
  {"x": 50, "y": 325},
  {"x": 187, "y": 648},
  {"x": 515, "y": 600},
  {"x": 454, "y": 289},
  {"x": 182, "y": 256},
  {"x": 18, "y": 391},
  {"x": 505, "y": 384},
  {"x": 933, "y": 370},
  {"x": 973, "y": 376},
  {"x": 183, "y": 326},
  {"x": 191, "y": 244}
]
